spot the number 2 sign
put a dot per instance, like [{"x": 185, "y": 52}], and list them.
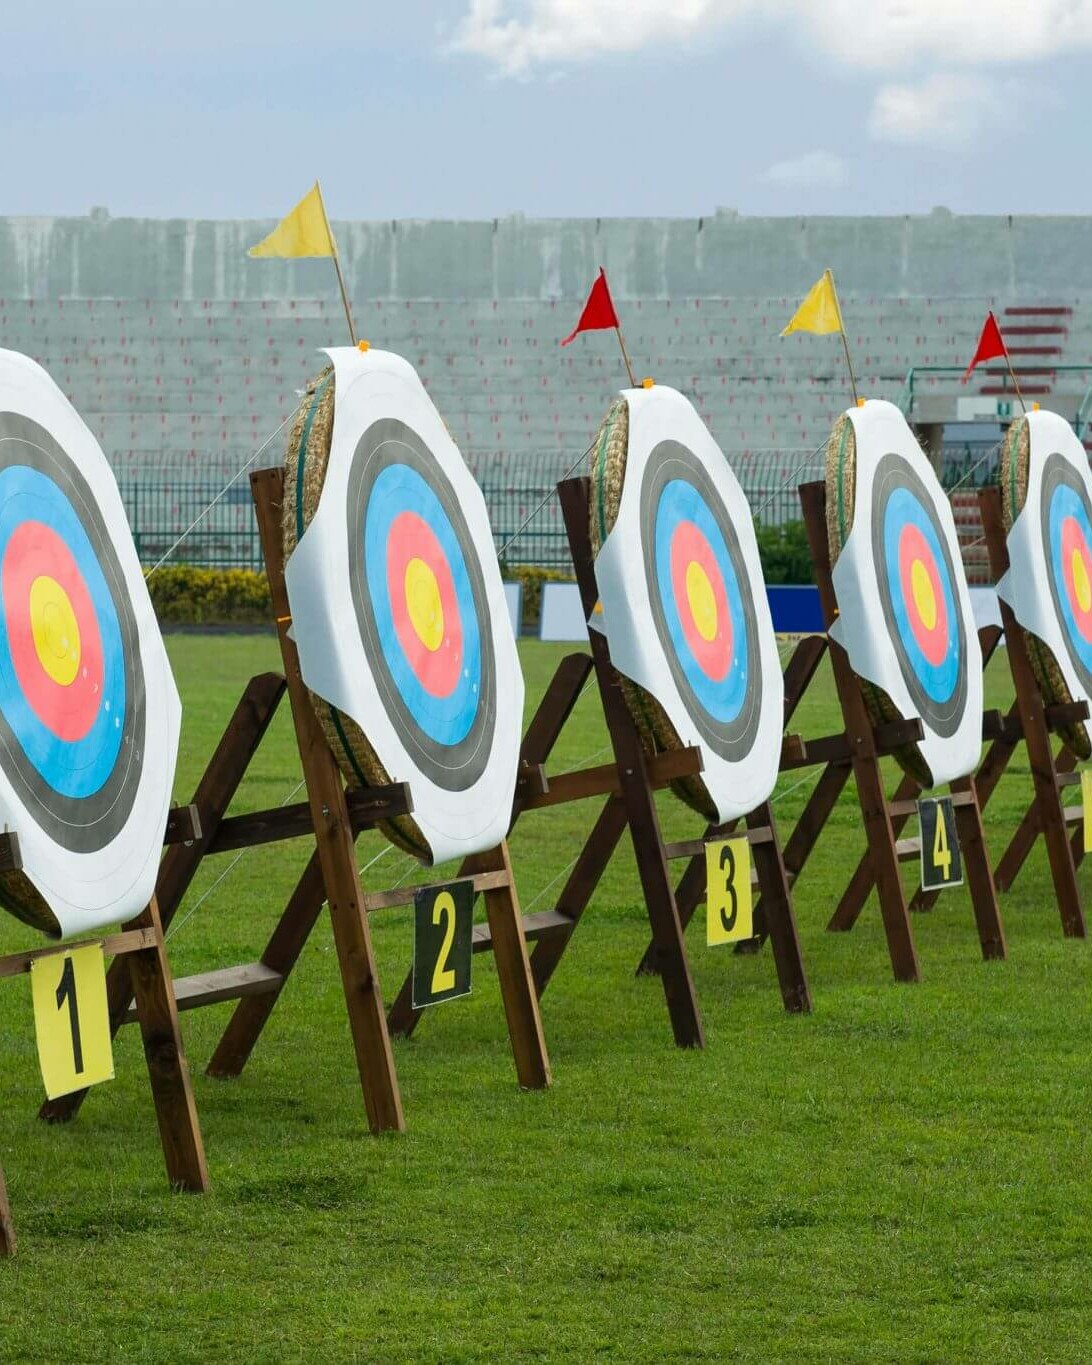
[
  {"x": 443, "y": 932},
  {"x": 72, "y": 1019}
]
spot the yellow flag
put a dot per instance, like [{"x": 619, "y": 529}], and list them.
[
  {"x": 820, "y": 311},
  {"x": 305, "y": 232}
]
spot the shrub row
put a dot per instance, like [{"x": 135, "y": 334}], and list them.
[{"x": 187, "y": 596}]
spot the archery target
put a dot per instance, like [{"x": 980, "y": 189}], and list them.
[
  {"x": 918, "y": 593},
  {"x": 684, "y": 605},
  {"x": 399, "y": 610},
  {"x": 1047, "y": 491},
  {"x": 89, "y": 716},
  {"x": 905, "y": 615}
]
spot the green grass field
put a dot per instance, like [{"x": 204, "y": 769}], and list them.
[{"x": 902, "y": 1175}]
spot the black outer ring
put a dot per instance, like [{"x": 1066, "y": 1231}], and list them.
[
  {"x": 1058, "y": 471},
  {"x": 79, "y": 824},
  {"x": 734, "y": 739},
  {"x": 893, "y": 472},
  {"x": 455, "y": 767}
]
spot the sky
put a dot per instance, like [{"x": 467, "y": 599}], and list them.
[{"x": 551, "y": 108}]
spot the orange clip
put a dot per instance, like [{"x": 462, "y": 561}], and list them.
[{"x": 363, "y": 346}]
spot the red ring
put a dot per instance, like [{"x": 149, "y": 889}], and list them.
[
  {"x": 438, "y": 670},
  {"x": 34, "y": 551},
  {"x": 1073, "y": 541},
  {"x": 689, "y": 546},
  {"x": 913, "y": 546}
]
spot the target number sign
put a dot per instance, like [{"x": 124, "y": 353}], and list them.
[
  {"x": 443, "y": 946},
  {"x": 72, "y": 1019},
  {"x": 728, "y": 917},
  {"x": 1086, "y": 801},
  {"x": 941, "y": 863}
]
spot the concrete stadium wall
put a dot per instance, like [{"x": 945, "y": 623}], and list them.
[{"x": 723, "y": 255}]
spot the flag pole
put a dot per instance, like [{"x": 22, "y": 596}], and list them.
[
  {"x": 625, "y": 354},
  {"x": 845, "y": 341},
  {"x": 337, "y": 266},
  {"x": 1012, "y": 372}
]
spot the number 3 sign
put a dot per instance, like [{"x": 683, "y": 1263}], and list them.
[
  {"x": 728, "y": 892},
  {"x": 443, "y": 931},
  {"x": 72, "y": 1019}
]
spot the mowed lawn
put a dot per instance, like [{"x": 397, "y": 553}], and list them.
[{"x": 903, "y": 1175}]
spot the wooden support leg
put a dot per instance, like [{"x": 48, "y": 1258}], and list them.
[
  {"x": 172, "y": 1089},
  {"x": 780, "y": 924},
  {"x": 1037, "y": 737},
  {"x": 861, "y": 883},
  {"x": 215, "y": 791},
  {"x": 866, "y": 767},
  {"x": 335, "y": 842},
  {"x": 514, "y": 971},
  {"x": 7, "y": 1227},
  {"x": 545, "y": 729},
  {"x": 1028, "y": 831},
  {"x": 583, "y": 879},
  {"x": 281, "y": 955},
  {"x": 976, "y": 867},
  {"x": 689, "y": 894},
  {"x": 644, "y": 824}
]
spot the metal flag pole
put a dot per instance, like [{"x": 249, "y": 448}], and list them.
[{"x": 337, "y": 266}]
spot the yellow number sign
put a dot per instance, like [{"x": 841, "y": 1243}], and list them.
[
  {"x": 72, "y": 1019},
  {"x": 1086, "y": 801},
  {"x": 728, "y": 891}
]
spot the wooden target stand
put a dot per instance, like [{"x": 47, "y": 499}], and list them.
[
  {"x": 333, "y": 817},
  {"x": 857, "y": 751},
  {"x": 630, "y": 783},
  {"x": 140, "y": 960},
  {"x": 1033, "y": 722}
]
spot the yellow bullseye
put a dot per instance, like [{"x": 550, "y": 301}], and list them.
[
  {"x": 1082, "y": 586},
  {"x": 426, "y": 611},
  {"x": 921, "y": 585},
  {"x": 53, "y": 626},
  {"x": 702, "y": 600}
]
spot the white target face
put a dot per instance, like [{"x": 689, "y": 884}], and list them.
[
  {"x": 398, "y": 607},
  {"x": 905, "y": 615},
  {"x": 1049, "y": 583},
  {"x": 684, "y": 604},
  {"x": 89, "y": 714}
]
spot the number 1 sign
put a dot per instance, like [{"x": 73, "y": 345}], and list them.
[{"x": 72, "y": 1019}]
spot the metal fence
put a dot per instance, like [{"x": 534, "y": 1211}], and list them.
[{"x": 220, "y": 531}]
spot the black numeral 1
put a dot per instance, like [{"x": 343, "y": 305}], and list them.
[{"x": 67, "y": 990}]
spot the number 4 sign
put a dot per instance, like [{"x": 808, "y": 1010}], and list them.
[
  {"x": 72, "y": 1019},
  {"x": 728, "y": 892},
  {"x": 443, "y": 934},
  {"x": 941, "y": 864}
]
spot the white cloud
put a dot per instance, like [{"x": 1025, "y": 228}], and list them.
[
  {"x": 541, "y": 32},
  {"x": 948, "y": 109},
  {"x": 813, "y": 170},
  {"x": 518, "y": 35}
]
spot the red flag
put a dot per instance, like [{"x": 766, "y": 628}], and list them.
[
  {"x": 990, "y": 344},
  {"x": 598, "y": 311}
]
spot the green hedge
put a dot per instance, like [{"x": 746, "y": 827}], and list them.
[
  {"x": 784, "y": 552},
  {"x": 186, "y": 596}
]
